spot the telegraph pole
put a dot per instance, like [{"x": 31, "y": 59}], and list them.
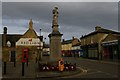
[{"x": 40, "y": 55}]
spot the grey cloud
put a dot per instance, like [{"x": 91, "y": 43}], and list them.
[{"x": 75, "y": 18}]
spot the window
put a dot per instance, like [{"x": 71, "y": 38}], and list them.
[
  {"x": 91, "y": 39},
  {"x": 21, "y": 42}
]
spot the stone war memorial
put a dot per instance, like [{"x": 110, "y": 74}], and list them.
[
  {"x": 55, "y": 62},
  {"x": 55, "y": 38}
]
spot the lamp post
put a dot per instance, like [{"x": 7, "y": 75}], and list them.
[
  {"x": 6, "y": 51},
  {"x": 8, "y": 46},
  {"x": 41, "y": 49},
  {"x": 38, "y": 48},
  {"x": 12, "y": 53},
  {"x": 45, "y": 51}
]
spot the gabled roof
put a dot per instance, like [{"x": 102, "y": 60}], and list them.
[
  {"x": 30, "y": 33},
  {"x": 101, "y": 30},
  {"x": 13, "y": 37}
]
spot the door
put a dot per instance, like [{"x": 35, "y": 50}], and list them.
[{"x": 105, "y": 54}]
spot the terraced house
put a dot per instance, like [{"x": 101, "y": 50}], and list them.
[
  {"x": 67, "y": 46},
  {"x": 94, "y": 44}
]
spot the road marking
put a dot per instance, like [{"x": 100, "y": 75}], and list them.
[
  {"x": 84, "y": 70},
  {"x": 101, "y": 61},
  {"x": 104, "y": 73}
]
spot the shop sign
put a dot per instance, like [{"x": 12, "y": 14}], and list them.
[
  {"x": 110, "y": 43},
  {"x": 29, "y": 42}
]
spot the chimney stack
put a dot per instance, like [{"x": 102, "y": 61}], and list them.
[
  {"x": 97, "y": 28},
  {"x": 4, "y": 36},
  {"x": 5, "y": 30},
  {"x": 73, "y": 38},
  {"x": 63, "y": 40}
]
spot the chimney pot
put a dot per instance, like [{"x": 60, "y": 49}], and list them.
[{"x": 5, "y": 30}]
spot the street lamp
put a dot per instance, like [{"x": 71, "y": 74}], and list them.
[
  {"x": 40, "y": 48},
  {"x": 37, "y": 58}
]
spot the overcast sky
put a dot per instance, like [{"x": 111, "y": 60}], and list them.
[{"x": 75, "y": 19}]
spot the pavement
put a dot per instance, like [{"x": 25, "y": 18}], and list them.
[
  {"x": 16, "y": 72},
  {"x": 32, "y": 72},
  {"x": 86, "y": 68}
]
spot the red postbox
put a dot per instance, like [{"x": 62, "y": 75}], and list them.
[{"x": 24, "y": 55}]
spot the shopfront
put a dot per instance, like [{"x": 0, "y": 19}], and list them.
[
  {"x": 93, "y": 51},
  {"x": 110, "y": 50}
]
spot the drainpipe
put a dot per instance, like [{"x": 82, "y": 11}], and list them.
[
  {"x": 99, "y": 51},
  {"x": 118, "y": 50}
]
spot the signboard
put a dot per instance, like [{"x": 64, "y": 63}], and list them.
[
  {"x": 110, "y": 43},
  {"x": 29, "y": 42}
]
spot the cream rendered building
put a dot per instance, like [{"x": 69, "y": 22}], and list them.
[{"x": 67, "y": 46}]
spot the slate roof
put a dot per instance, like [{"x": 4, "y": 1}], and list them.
[
  {"x": 67, "y": 41},
  {"x": 78, "y": 44},
  {"x": 30, "y": 33},
  {"x": 102, "y": 30},
  {"x": 13, "y": 38},
  {"x": 111, "y": 37}
]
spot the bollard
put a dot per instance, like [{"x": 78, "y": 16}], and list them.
[
  {"x": 36, "y": 60},
  {"x": 23, "y": 68},
  {"x": 4, "y": 67},
  {"x": 27, "y": 62},
  {"x": 14, "y": 63}
]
